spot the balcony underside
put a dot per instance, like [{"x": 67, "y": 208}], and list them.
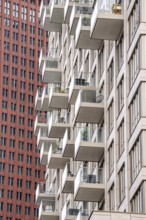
[
  {"x": 45, "y": 103},
  {"x": 89, "y": 151},
  {"x": 89, "y": 192},
  {"x": 73, "y": 26},
  {"x": 85, "y": 42},
  {"x": 67, "y": 13},
  {"x": 51, "y": 26},
  {"x": 107, "y": 26},
  {"x": 51, "y": 75},
  {"x": 69, "y": 149},
  {"x": 39, "y": 125},
  {"x": 57, "y": 162},
  {"x": 45, "y": 140},
  {"x": 57, "y": 130},
  {"x": 59, "y": 101},
  {"x": 45, "y": 197},
  {"x": 45, "y": 215},
  {"x": 90, "y": 113},
  {"x": 57, "y": 14},
  {"x": 38, "y": 104},
  {"x": 44, "y": 158},
  {"x": 69, "y": 185}
]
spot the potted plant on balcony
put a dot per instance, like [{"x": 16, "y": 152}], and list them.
[
  {"x": 84, "y": 134},
  {"x": 116, "y": 8}
]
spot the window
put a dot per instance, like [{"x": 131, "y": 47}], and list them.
[
  {"x": 3, "y": 129},
  {"x": 21, "y": 121},
  {"x": 111, "y": 158},
  {"x": 27, "y": 210},
  {"x": 1, "y": 193},
  {"x": 20, "y": 157},
  {"x": 28, "y": 172},
  {"x": 2, "y": 154},
  {"x": 5, "y": 81},
  {"x": 32, "y": 15},
  {"x": 121, "y": 138},
  {"x": 21, "y": 145},
  {"x": 110, "y": 117},
  {"x": 1, "y": 206},
  {"x": 7, "y": 8},
  {"x": 4, "y": 116},
  {"x": 5, "y": 69},
  {"x": 12, "y": 143},
  {"x": 3, "y": 141},
  {"x": 2, "y": 166},
  {"x": 136, "y": 159},
  {"x": 121, "y": 176},
  {"x": 101, "y": 62},
  {"x": 137, "y": 202},
  {"x": 121, "y": 94},
  {"x": 19, "y": 196},
  {"x": 11, "y": 168},
  {"x": 10, "y": 194},
  {"x": 15, "y": 10},
  {"x": 14, "y": 71},
  {"x": 19, "y": 183},
  {"x": 24, "y": 13},
  {"x": 29, "y": 159},
  {"x": 4, "y": 104},
  {"x": 13, "y": 106},
  {"x": 21, "y": 133},
  {"x": 37, "y": 173},
  {"x": 13, "y": 95},
  {"x": 12, "y": 131},
  {"x": 20, "y": 170},
  {"x": 112, "y": 198},
  {"x": 27, "y": 197},
  {"x": 11, "y": 155},
  {"x": 28, "y": 184},
  {"x": 111, "y": 77},
  {"x": 29, "y": 147},
  {"x": 22, "y": 73},
  {"x": 10, "y": 181},
  {"x": 18, "y": 209}
]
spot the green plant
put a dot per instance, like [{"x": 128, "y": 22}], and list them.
[{"x": 84, "y": 134}]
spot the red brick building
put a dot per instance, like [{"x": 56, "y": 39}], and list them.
[{"x": 21, "y": 39}]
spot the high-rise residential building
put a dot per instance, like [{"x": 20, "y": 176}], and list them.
[
  {"x": 21, "y": 38},
  {"x": 93, "y": 144}
]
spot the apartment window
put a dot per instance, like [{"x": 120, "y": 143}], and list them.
[
  {"x": 112, "y": 198},
  {"x": 134, "y": 65},
  {"x": 21, "y": 133},
  {"x": 37, "y": 161},
  {"x": 3, "y": 129},
  {"x": 20, "y": 170},
  {"x": 1, "y": 206},
  {"x": 37, "y": 173},
  {"x": 23, "y": 61},
  {"x": 5, "y": 81},
  {"x": 36, "y": 212},
  {"x": 5, "y": 69},
  {"x": 18, "y": 209},
  {"x": 13, "y": 95},
  {"x": 20, "y": 157},
  {"x": 111, "y": 77},
  {"x": 137, "y": 202},
  {"x": 28, "y": 184},
  {"x": 21, "y": 121},
  {"x": 30, "y": 99},
  {"x": 136, "y": 159},
  {"x": 28, "y": 172},
  {"x": 32, "y": 29},
  {"x": 31, "y": 64},
  {"x": 15, "y": 36},
  {"x": 24, "y": 27},
  {"x": 10, "y": 194},
  {"x": 22, "y": 96},
  {"x": 15, "y": 59},
  {"x": 10, "y": 181},
  {"x": 9, "y": 207},
  {"x": 121, "y": 177},
  {"x": 15, "y": 10},
  {"x": 22, "y": 108},
  {"x": 12, "y": 143},
  {"x": 121, "y": 94},
  {"x": 14, "y": 83},
  {"x": 1, "y": 193},
  {"x": 31, "y": 76},
  {"x": 6, "y": 57},
  {"x": 29, "y": 147},
  {"x": 4, "y": 116},
  {"x": 11, "y": 155},
  {"x": 11, "y": 168},
  {"x": 30, "y": 122},
  {"x": 23, "y": 13},
  {"x": 23, "y": 38},
  {"x": 6, "y": 22},
  {"x": 21, "y": 145},
  {"x": 134, "y": 20},
  {"x": 30, "y": 111},
  {"x": 2, "y": 166},
  {"x": 19, "y": 196},
  {"x": 14, "y": 71},
  {"x": 32, "y": 15},
  {"x": 121, "y": 138},
  {"x": 111, "y": 158},
  {"x": 7, "y": 8},
  {"x": 111, "y": 117},
  {"x": 101, "y": 62},
  {"x": 15, "y": 24},
  {"x": 4, "y": 104},
  {"x": 2, "y": 154},
  {"x": 6, "y": 33},
  {"x": 29, "y": 159},
  {"x": 27, "y": 197},
  {"x": 5, "y": 93},
  {"x": 12, "y": 131},
  {"x": 27, "y": 210},
  {"x": 13, "y": 106},
  {"x": 22, "y": 85},
  {"x": 134, "y": 110},
  {"x": 19, "y": 183},
  {"x": 23, "y": 50},
  {"x": 3, "y": 141}
]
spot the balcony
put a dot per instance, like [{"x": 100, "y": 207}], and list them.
[
  {"x": 45, "y": 192},
  {"x": 68, "y": 145},
  {"x": 82, "y": 36},
  {"x": 89, "y": 185},
  {"x": 77, "y": 84},
  {"x": 45, "y": 99},
  {"x": 89, "y": 107},
  {"x": 68, "y": 179},
  {"x": 58, "y": 124},
  {"x": 48, "y": 210},
  {"x": 55, "y": 159},
  {"x": 40, "y": 122},
  {"x": 42, "y": 137},
  {"x": 83, "y": 214},
  {"x": 43, "y": 5},
  {"x": 58, "y": 97},
  {"x": 85, "y": 148},
  {"x": 70, "y": 212},
  {"x": 57, "y": 11},
  {"x": 44, "y": 154},
  {"x": 38, "y": 99},
  {"x": 51, "y": 70},
  {"x": 78, "y": 8},
  {"x": 107, "y": 20}
]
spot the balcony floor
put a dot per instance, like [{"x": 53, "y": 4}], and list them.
[
  {"x": 107, "y": 26},
  {"x": 44, "y": 158},
  {"x": 73, "y": 26},
  {"x": 51, "y": 75},
  {"x": 51, "y": 26},
  {"x": 45, "y": 197},
  {"x": 45, "y": 215},
  {"x": 58, "y": 129},
  {"x": 59, "y": 101},
  {"x": 57, "y": 162},
  {"x": 69, "y": 149},
  {"x": 69, "y": 185},
  {"x": 89, "y": 192},
  {"x": 57, "y": 14},
  {"x": 38, "y": 104},
  {"x": 89, "y": 151}
]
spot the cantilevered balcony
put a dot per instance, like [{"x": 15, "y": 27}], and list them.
[
  {"x": 77, "y": 84},
  {"x": 89, "y": 186},
  {"x": 48, "y": 210},
  {"x": 40, "y": 122},
  {"x": 44, "y": 154},
  {"x": 45, "y": 98},
  {"x": 58, "y": 96},
  {"x": 69, "y": 212},
  {"x": 57, "y": 124},
  {"x": 45, "y": 192},
  {"x": 85, "y": 148},
  {"x": 42, "y": 137},
  {"x": 82, "y": 35},
  {"x": 57, "y": 11},
  {"x": 84, "y": 214},
  {"x": 89, "y": 107},
  {"x": 68, "y": 179},
  {"x": 38, "y": 99},
  {"x": 55, "y": 159},
  {"x": 107, "y": 20},
  {"x": 51, "y": 70},
  {"x": 78, "y": 8},
  {"x": 68, "y": 143},
  {"x": 43, "y": 5}
]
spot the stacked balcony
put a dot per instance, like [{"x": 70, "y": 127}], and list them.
[
  {"x": 89, "y": 107},
  {"x": 44, "y": 154},
  {"x": 68, "y": 145},
  {"x": 70, "y": 212},
  {"x": 82, "y": 36},
  {"x": 48, "y": 210},
  {"x": 58, "y": 123},
  {"x": 38, "y": 99},
  {"x": 79, "y": 83},
  {"x": 40, "y": 122},
  {"x": 58, "y": 96},
  {"x": 89, "y": 185},
  {"x": 51, "y": 69},
  {"x": 45, "y": 98},
  {"x": 79, "y": 8},
  {"x": 55, "y": 159},
  {"x": 57, "y": 11},
  {"x": 107, "y": 20},
  {"x": 68, "y": 179},
  {"x": 85, "y": 148},
  {"x": 42, "y": 137},
  {"x": 45, "y": 192}
]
